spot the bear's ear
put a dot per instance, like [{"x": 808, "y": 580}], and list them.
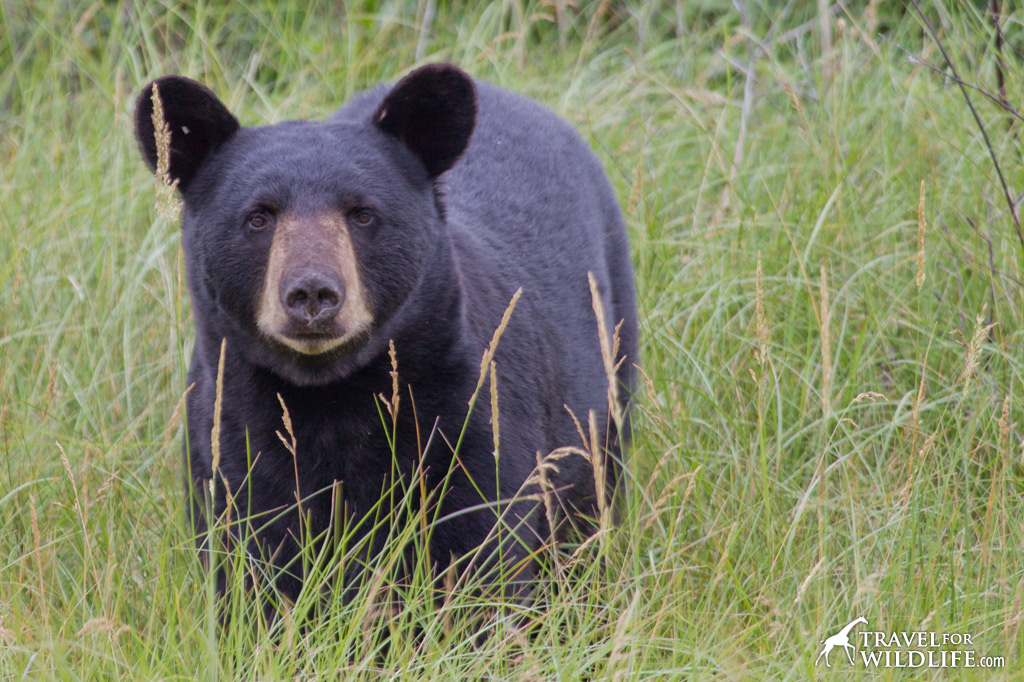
[
  {"x": 432, "y": 111},
  {"x": 197, "y": 120}
]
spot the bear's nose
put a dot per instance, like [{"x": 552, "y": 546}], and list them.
[{"x": 312, "y": 296}]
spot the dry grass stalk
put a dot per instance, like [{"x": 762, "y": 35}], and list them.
[
  {"x": 826, "y": 346},
  {"x": 218, "y": 403},
  {"x": 720, "y": 570},
  {"x": 579, "y": 427},
  {"x": 825, "y": 33},
  {"x": 229, "y": 503},
  {"x": 175, "y": 420},
  {"x": 794, "y": 99},
  {"x": 973, "y": 347},
  {"x": 541, "y": 478},
  {"x": 762, "y": 329},
  {"x": 492, "y": 348},
  {"x": 622, "y": 643},
  {"x": 682, "y": 506},
  {"x": 745, "y": 110},
  {"x": 1005, "y": 425},
  {"x": 655, "y": 479},
  {"x": 917, "y": 462},
  {"x": 807, "y": 580},
  {"x": 920, "y": 239},
  {"x": 495, "y": 424},
  {"x": 547, "y": 491},
  {"x": 37, "y": 536},
  {"x": 391, "y": 405},
  {"x": 449, "y": 593},
  {"x": 167, "y": 204},
  {"x": 107, "y": 485},
  {"x": 51, "y": 388},
  {"x": 597, "y": 460},
  {"x": 992, "y": 517},
  {"x": 77, "y": 506},
  {"x": 609, "y": 350},
  {"x": 661, "y": 505},
  {"x": 37, "y": 539},
  {"x": 100, "y": 625},
  {"x": 872, "y": 17},
  {"x": 290, "y": 445}
]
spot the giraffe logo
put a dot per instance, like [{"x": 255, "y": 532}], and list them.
[{"x": 841, "y": 638}]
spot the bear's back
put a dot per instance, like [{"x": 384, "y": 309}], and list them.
[
  {"x": 527, "y": 178},
  {"x": 528, "y": 205},
  {"x": 528, "y": 182}
]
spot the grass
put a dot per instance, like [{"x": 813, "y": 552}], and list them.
[{"x": 817, "y": 438}]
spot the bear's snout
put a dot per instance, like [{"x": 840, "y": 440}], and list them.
[
  {"x": 313, "y": 299},
  {"x": 312, "y": 296}
]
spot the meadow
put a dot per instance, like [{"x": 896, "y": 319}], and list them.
[{"x": 831, "y": 292}]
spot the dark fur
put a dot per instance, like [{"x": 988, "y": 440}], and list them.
[{"x": 526, "y": 204}]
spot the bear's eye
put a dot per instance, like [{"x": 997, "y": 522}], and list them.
[
  {"x": 362, "y": 217},
  {"x": 257, "y": 220}
]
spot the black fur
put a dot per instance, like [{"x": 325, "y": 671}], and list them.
[
  {"x": 528, "y": 206},
  {"x": 432, "y": 112}
]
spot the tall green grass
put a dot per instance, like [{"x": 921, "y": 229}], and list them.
[{"x": 826, "y": 440}]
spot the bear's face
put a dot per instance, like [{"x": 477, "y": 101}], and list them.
[{"x": 307, "y": 237}]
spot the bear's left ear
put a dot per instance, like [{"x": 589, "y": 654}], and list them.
[{"x": 432, "y": 111}]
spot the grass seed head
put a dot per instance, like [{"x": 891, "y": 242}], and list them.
[
  {"x": 167, "y": 204},
  {"x": 495, "y": 423},
  {"x": 392, "y": 404},
  {"x": 1005, "y": 425},
  {"x": 217, "y": 405},
  {"x": 762, "y": 330},
  {"x": 981, "y": 331}
]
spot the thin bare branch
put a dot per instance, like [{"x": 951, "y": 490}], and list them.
[
  {"x": 914, "y": 59},
  {"x": 977, "y": 119}
]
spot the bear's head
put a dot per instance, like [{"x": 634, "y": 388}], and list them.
[{"x": 304, "y": 239}]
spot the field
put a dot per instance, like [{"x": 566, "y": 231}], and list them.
[{"x": 832, "y": 311}]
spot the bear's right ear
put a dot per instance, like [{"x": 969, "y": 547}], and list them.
[{"x": 197, "y": 120}]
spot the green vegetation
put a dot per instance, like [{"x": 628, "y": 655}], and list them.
[{"x": 826, "y": 438}]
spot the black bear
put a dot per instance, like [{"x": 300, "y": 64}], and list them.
[{"x": 406, "y": 221}]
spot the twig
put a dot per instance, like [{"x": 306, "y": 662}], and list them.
[
  {"x": 425, "y": 24},
  {"x": 807, "y": 26},
  {"x": 825, "y": 29},
  {"x": 914, "y": 59},
  {"x": 1000, "y": 64},
  {"x": 977, "y": 119},
  {"x": 748, "y": 103},
  {"x": 757, "y": 45}
]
